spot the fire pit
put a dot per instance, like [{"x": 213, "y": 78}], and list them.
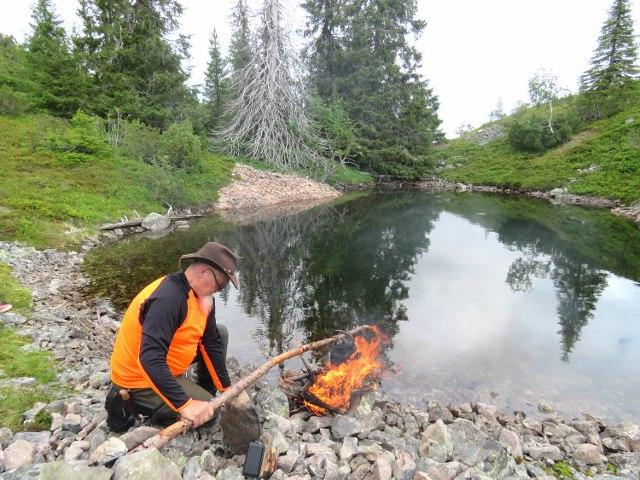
[{"x": 338, "y": 386}]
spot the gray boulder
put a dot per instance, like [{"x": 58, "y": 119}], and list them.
[
  {"x": 404, "y": 467},
  {"x": 344, "y": 426},
  {"x": 475, "y": 448},
  {"x": 137, "y": 436},
  {"x": 144, "y": 465},
  {"x": 155, "y": 222},
  {"x": 18, "y": 454},
  {"x": 589, "y": 454},
  {"x": 435, "y": 442},
  {"x": 109, "y": 451}
]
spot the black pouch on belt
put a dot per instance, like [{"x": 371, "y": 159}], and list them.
[{"x": 120, "y": 416}]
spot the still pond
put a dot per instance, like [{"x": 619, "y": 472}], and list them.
[{"x": 505, "y": 300}]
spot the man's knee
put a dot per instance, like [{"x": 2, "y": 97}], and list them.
[{"x": 224, "y": 333}]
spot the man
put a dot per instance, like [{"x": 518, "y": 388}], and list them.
[{"x": 167, "y": 326}]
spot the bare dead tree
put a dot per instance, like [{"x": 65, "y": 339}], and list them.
[{"x": 268, "y": 118}]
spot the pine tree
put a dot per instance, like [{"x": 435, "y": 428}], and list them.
[
  {"x": 268, "y": 117},
  {"x": 215, "y": 84},
  {"x": 60, "y": 85},
  {"x": 137, "y": 71},
  {"x": 240, "y": 48},
  {"x": 614, "y": 60}
]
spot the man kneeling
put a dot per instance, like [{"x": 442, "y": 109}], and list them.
[{"x": 170, "y": 324}]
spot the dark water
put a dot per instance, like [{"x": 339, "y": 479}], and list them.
[{"x": 485, "y": 298}]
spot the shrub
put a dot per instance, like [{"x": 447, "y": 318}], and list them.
[
  {"x": 12, "y": 102},
  {"x": 398, "y": 162},
  {"x": 336, "y": 127},
  {"x": 85, "y": 134},
  {"x": 181, "y": 148},
  {"x": 606, "y": 103},
  {"x": 530, "y": 132},
  {"x": 140, "y": 141}
]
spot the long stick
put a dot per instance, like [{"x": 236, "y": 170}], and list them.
[{"x": 182, "y": 425}]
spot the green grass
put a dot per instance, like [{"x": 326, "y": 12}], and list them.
[
  {"x": 613, "y": 144},
  {"x": 12, "y": 292},
  {"x": 45, "y": 202},
  {"x": 15, "y": 362}
]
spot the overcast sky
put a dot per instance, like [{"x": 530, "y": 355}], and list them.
[{"x": 474, "y": 52}]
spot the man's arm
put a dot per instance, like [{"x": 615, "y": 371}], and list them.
[
  {"x": 160, "y": 318},
  {"x": 212, "y": 351}
]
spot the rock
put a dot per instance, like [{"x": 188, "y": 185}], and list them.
[
  {"x": 435, "y": 442},
  {"x": 96, "y": 438},
  {"x": 72, "y": 422},
  {"x": 511, "y": 442},
  {"x": 438, "y": 412},
  {"x": 40, "y": 440},
  {"x": 228, "y": 473},
  {"x": 19, "y": 382},
  {"x": 5, "y": 437},
  {"x": 144, "y": 465},
  {"x": 314, "y": 424},
  {"x": 74, "y": 451},
  {"x": 240, "y": 423},
  {"x": 473, "y": 447},
  {"x": 29, "y": 415},
  {"x": 404, "y": 467},
  {"x": 287, "y": 463},
  {"x": 589, "y": 454},
  {"x": 109, "y": 451},
  {"x": 615, "y": 444},
  {"x": 382, "y": 469},
  {"x": 13, "y": 318},
  {"x": 59, "y": 470},
  {"x": 348, "y": 449},
  {"x": 444, "y": 471},
  {"x": 546, "y": 452},
  {"x": 156, "y": 222},
  {"x": 272, "y": 400},
  {"x": 344, "y": 426},
  {"x": 193, "y": 469},
  {"x": 1, "y": 461},
  {"x": 631, "y": 433},
  {"x": 18, "y": 454},
  {"x": 137, "y": 436}
]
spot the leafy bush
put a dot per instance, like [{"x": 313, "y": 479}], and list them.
[
  {"x": 606, "y": 103},
  {"x": 181, "y": 148},
  {"x": 530, "y": 132},
  {"x": 336, "y": 127},
  {"x": 398, "y": 162},
  {"x": 140, "y": 141},
  {"x": 80, "y": 142},
  {"x": 12, "y": 102}
]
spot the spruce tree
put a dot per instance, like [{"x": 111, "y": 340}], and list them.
[
  {"x": 136, "y": 69},
  {"x": 374, "y": 71},
  {"x": 614, "y": 60},
  {"x": 59, "y": 83},
  {"x": 215, "y": 84},
  {"x": 240, "y": 48},
  {"x": 268, "y": 118}
]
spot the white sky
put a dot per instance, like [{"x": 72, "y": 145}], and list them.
[{"x": 474, "y": 52}]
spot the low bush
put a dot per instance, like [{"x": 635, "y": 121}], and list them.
[
  {"x": 399, "y": 162},
  {"x": 140, "y": 141},
  {"x": 530, "y": 132},
  {"x": 180, "y": 147}
]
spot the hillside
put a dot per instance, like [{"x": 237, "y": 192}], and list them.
[
  {"x": 601, "y": 159},
  {"x": 48, "y": 201}
]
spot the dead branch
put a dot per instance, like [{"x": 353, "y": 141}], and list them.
[
  {"x": 137, "y": 222},
  {"x": 183, "y": 425}
]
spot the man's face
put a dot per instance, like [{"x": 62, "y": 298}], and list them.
[{"x": 212, "y": 281}]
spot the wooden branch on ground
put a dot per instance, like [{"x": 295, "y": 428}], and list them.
[
  {"x": 183, "y": 425},
  {"x": 138, "y": 221}
]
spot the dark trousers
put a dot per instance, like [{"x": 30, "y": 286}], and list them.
[{"x": 147, "y": 402}]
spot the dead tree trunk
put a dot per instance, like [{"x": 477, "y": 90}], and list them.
[{"x": 183, "y": 425}]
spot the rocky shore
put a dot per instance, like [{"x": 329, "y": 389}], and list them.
[{"x": 380, "y": 439}]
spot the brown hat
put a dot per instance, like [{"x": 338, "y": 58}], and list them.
[{"x": 218, "y": 256}]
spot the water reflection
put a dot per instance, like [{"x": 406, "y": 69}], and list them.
[{"x": 371, "y": 260}]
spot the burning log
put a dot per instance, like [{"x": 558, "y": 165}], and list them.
[
  {"x": 332, "y": 389},
  {"x": 182, "y": 425}
]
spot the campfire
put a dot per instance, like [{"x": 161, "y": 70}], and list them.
[{"x": 333, "y": 388}]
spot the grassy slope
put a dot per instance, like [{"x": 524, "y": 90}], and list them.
[
  {"x": 613, "y": 144},
  {"x": 47, "y": 204},
  {"x": 15, "y": 362}
]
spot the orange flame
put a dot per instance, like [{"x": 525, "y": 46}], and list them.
[{"x": 335, "y": 383}]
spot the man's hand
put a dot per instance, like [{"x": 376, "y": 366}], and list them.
[{"x": 198, "y": 412}]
